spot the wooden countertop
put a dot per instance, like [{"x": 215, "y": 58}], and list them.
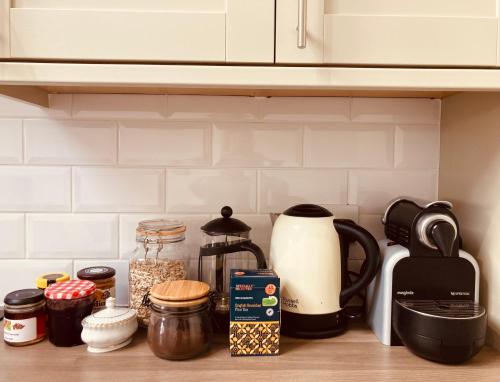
[{"x": 354, "y": 356}]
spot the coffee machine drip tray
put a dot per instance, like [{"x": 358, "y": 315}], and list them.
[
  {"x": 444, "y": 309},
  {"x": 440, "y": 330}
]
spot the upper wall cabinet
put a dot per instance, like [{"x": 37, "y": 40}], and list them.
[
  {"x": 387, "y": 32},
  {"x": 142, "y": 30}
]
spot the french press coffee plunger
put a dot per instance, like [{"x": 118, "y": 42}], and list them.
[{"x": 221, "y": 237}]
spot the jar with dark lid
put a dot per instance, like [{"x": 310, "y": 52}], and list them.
[
  {"x": 44, "y": 281},
  {"x": 68, "y": 303},
  {"x": 180, "y": 326},
  {"x": 104, "y": 279},
  {"x": 25, "y": 317}
]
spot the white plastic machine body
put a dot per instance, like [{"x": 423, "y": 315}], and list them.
[{"x": 379, "y": 292}]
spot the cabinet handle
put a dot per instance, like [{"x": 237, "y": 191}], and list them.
[{"x": 301, "y": 26}]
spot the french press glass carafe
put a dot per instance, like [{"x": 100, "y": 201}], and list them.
[{"x": 223, "y": 236}]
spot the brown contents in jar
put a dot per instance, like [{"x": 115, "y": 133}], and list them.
[
  {"x": 181, "y": 333},
  {"x": 143, "y": 274}
]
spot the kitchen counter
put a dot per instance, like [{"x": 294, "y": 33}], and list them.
[{"x": 354, "y": 356}]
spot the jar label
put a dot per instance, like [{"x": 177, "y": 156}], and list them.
[
  {"x": 19, "y": 330},
  {"x": 101, "y": 295}
]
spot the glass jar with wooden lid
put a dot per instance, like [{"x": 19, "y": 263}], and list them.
[
  {"x": 160, "y": 255},
  {"x": 180, "y": 325}
]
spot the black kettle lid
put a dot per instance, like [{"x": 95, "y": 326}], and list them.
[
  {"x": 226, "y": 225},
  {"x": 308, "y": 211}
]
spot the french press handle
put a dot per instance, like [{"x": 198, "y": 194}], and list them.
[
  {"x": 256, "y": 251},
  {"x": 354, "y": 232}
]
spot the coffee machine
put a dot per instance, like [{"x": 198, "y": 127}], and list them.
[{"x": 426, "y": 293}]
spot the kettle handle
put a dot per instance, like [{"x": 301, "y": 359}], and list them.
[
  {"x": 354, "y": 232},
  {"x": 256, "y": 251}
]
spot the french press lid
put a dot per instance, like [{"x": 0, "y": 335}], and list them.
[{"x": 226, "y": 225}]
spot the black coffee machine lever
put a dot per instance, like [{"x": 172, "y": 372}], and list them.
[
  {"x": 426, "y": 229},
  {"x": 443, "y": 235}
]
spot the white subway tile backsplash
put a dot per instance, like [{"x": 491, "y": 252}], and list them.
[
  {"x": 349, "y": 146},
  {"x": 396, "y": 110},
  {"x": 128, "y": 225},
  {"x": 118, "y": 190},
  {"x": 60, "y": 107},
  {"x": 260, "y": 233},
  {"x": 117, "y": 159},
  {"x": 22, "y": 274},
  {"x": 206, "y": 191},
  {"x": 280, "y": 189},
  {"x": 57, "y": 236},
  {"x": 373, "y": 189},
  {"x": 417, "y": 146},
  {"x": 121, "y": 276},
  {"x": 119, "y": 106},
  {"x": 373, "y": 223},
  {"x": 211, "y": 108},
  {"x": 70, "y": 142},
  {"x": 11, "y": 236},
  {"x": 35, "y": 188},
  {"x": 310, "y": 109},
  {"x": 11, "y": 141},
  {"x": 257, "y": 145},
  {"x": 165, "y": 143},
  {"x": 343, "y": 211}
]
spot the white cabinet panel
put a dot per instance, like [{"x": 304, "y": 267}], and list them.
[
  {"x": 117, "y": 35},
  {"x": 465, "y": 8},
  {"x": 148, "y": 30},
  {"x": 390, "y": 32},
  {"x": 124, "y": 5},
  {"x": 4, "y": 28},
  {"x": 250, "y": 31},
  {"x": 398, "y": 40}
]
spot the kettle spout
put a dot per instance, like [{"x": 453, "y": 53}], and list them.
[{"x": 274, "y": 216}]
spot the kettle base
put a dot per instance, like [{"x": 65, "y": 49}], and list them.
[{"x": 313, "y": 325}]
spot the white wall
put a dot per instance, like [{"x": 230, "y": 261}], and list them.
[
  {"x": 76, "y": 179},
  {"x": 470, "y": 178}
]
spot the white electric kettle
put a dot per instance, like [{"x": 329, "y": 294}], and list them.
[{"x": 309, "y": 251}]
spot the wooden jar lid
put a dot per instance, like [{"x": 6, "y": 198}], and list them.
[
  {"x": 178, "y": 304},
  {"x": 179, "y": 293}
]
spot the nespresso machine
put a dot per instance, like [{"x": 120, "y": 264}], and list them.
[{"x": 426, "y": 293}]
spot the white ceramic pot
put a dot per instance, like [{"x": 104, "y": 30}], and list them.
[{"x": 109, "y": 329}]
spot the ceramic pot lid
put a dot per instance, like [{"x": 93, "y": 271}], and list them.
[
  {"x": 226, "y": 225},
  {"x": 109, "y": 317}
]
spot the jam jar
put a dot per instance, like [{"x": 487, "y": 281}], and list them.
[
  {"x": 68, "y": 303},
  {"x": 104, "y": 279},
  {"x": 25, "y": 317},
  {"x": 180, "y": 326}
]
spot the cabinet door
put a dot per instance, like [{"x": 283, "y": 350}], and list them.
[
  {"x": 388, "y": 32},
  {"x": 143, "y": 30},
  {"x": 4, "y": 28}
]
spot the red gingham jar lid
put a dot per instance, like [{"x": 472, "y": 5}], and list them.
[{"x": 68, "y": 290}]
